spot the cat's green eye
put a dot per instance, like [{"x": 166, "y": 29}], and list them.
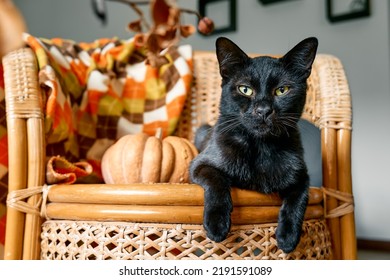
[
  {"x": 245, "y": 90},
  {"x": 282, "y": 90}
]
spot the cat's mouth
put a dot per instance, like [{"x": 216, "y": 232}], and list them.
[{"x": 261, "y": 127}]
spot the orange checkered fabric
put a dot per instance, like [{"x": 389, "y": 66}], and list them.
[{"x": 97, "y": 92}]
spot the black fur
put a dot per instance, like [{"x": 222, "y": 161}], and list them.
[{"x": 255, "y": 143}]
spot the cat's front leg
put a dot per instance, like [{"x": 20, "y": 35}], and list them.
[
  {"x": 291, "y": 216},
  {"x": 217, "y": 201}
]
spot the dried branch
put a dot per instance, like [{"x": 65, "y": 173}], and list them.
[{"x": 165, "y": 29}]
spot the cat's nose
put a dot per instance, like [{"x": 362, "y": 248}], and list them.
[{"x": 264, "y": 111}]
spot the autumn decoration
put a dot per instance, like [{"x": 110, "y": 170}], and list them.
[
  {"x": 140, "y": 158},
  {"x": 166, "y": 28}
]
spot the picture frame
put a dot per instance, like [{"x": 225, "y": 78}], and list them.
[
  {"x": 266, "y": 2},
  {"x": 229, "y": 5},
  {"x": 342, "y": 10}
]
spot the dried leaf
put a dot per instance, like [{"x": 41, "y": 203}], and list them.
[
  {"x": 167, "y": 38},
  {"x": 167, "y": 32},
  {"x": 174, "y": 16},
  {"x": 152, "y": 43},
  {"x": 187, "y": 30},
  {"x": 135, "y": 26},
  {"x": 160, "y": 11}
]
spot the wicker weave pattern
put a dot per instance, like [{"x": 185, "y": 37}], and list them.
[
  {"x": 323, "y": 108},
  {"x": 22, "y": 99},
  {"x": 92, "y": 240}
]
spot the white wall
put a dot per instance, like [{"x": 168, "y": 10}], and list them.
[{"x": 362, "y": 45}]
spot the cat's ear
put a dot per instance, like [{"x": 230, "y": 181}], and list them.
[
  {"x": 301, "y": 57},
  {"x": 229, "y": 56}
]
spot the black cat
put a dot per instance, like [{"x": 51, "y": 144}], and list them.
[{"x": 255, "y": 143}]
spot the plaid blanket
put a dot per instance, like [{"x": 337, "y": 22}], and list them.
[{"x": 97, "y": 92}]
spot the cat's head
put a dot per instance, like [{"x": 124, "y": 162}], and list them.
[{"x": 265, "y": 95}]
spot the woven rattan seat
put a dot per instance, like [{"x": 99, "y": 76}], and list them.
[{"x": 164, "y": 221}]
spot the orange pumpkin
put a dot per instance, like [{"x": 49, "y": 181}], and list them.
[{"x": 141, "y": 158}]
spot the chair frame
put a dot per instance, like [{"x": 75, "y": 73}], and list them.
[{"x": 328, "y": 106}]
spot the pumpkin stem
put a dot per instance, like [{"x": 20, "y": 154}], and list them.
[{"x": 158, "y": 134}]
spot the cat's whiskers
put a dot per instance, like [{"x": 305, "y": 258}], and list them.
[
  {"x": 229, "y": 123},
  {"x": 279, "y": 127},
  {"x": 231, "y": 126},
  {"x": 289, "y": 123},
  {"x": 289, "y": 120},
  {"x": 284, "y": 122}
]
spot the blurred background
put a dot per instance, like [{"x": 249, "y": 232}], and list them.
[{"x": 362, "y": 44}]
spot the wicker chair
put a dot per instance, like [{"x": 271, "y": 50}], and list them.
[{"x": 164, "y": 221}]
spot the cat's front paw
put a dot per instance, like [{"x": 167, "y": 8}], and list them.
[
  {"x": 287, "y": 237},
  {"x": 217, "y": 223}
]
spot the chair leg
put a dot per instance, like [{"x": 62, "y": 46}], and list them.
[
  {"x": 16, "y": 180},
  {"x": 36, "y": 171},
  {"x": 329, "y": 169},
  {"x": 347, "y": 222}
]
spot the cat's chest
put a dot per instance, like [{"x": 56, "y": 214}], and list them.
[
  {"x": 262, "y": 168},
  {"x": 262, "y": 162}
]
